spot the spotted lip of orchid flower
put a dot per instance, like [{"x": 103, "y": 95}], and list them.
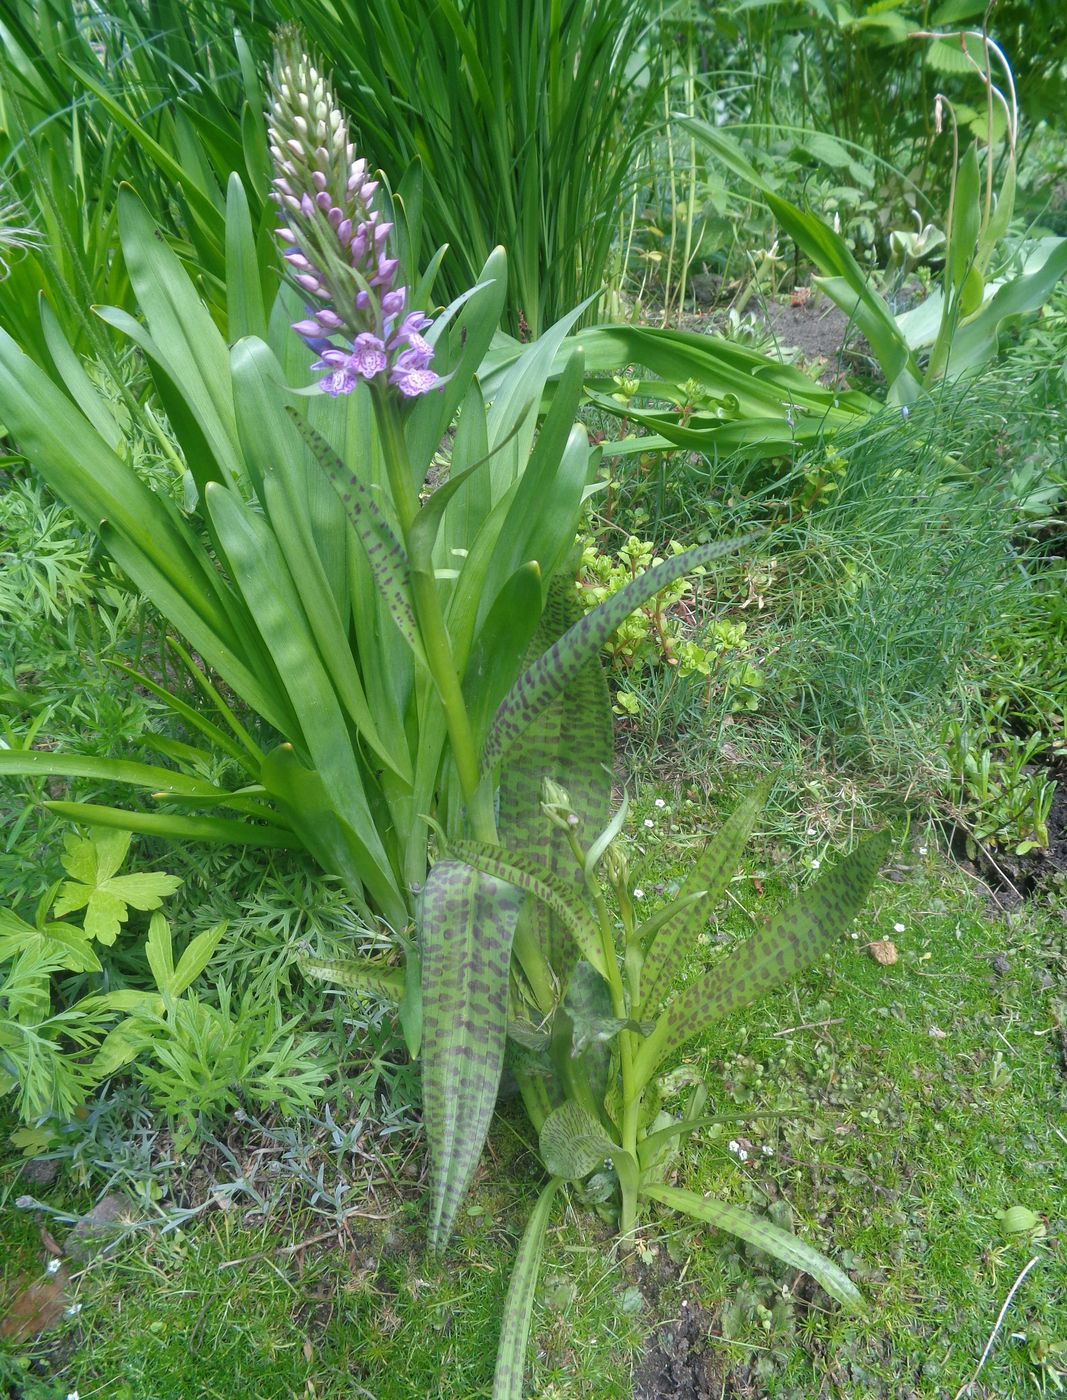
[{"x": 335, "y": 242}]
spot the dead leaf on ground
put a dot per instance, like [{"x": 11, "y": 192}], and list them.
[
  {"x": 36, "y": 1307},
  {"x": 883, "y": 951}
]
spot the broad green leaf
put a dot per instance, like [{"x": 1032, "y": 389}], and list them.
[
  {"x": 977, "y": 340},
  {"x": 764, "y": 1235},
  {"x": 245, "y": 312},
  {"x": 105, "y": 895},
  {"x": 184, "y": 342},
  {"x": 357, "y": 974},
  {"x": 98, "y": 486},
  {"x": 518, "y": 1307},
  {"x": 466, "y": 924},
  {"x": 554, "y": 672},
  {"x": 790, "y": 941},
  {"x": 845, "y": 281},
  {"x": 78, "y": 384},
  {"x": 711, "y": 875},
  {"x": 572, "y": 1143},
  {"x": 531, "y": 876},
  {"x": 336, "y": 845},
  {"x": 32, "y": 763},
  {"x": 966, "y": 221}
]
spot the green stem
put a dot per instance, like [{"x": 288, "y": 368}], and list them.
[
  {"x": 432, "y": 629},
  {"x": 631, "y": 1097}
]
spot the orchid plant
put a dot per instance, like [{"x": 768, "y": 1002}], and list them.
[{"x": 415, "y": 660}]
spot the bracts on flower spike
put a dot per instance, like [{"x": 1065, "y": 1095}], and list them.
[{"x": 336, "y": 243}]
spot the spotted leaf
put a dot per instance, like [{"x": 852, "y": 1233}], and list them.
[
  {"x": 466, "y": 925},
  {"x": 556, "y": 670},
  {"x": 789, "y": 942}
]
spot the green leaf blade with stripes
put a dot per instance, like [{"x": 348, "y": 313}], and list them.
[
  {"x": 711, "y": 874},
  {"x": 765, "y": 1235}
]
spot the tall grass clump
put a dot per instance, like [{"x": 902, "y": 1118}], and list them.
[{"x": 524, "y": 124}]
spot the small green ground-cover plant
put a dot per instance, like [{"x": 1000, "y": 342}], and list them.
[{"x": 72, "y": 1016}]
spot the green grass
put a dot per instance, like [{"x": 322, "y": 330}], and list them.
[{"x": 896, "y": 1153}]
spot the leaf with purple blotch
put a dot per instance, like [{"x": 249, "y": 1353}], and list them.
[
  {"x": 556, "y": 670},
  {"x": 791, "y": 940},
  {"x": 466, "y": 925}
]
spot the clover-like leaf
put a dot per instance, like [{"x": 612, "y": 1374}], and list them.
[{"x": 93, "y": 862}]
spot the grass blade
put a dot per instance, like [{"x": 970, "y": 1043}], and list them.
[{"x": 518, "y": 1308}]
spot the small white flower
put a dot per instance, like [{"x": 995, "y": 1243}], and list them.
[
  {"x": 898, "y": 928},
  {"x": 854, "y": 936},
  {"x": 660, "y": 802},
  {"x": 924, "y": 850},
  {"x": 639, "y": 894},
  {"x": 74, "y": 1310},
  {"x": 767, "y": 1150},
  {"x": 733, "y": 1145},
  {"x": 742, "y": 1155},
  {"x": 72, "y": 1395},
  {"x": 649, "y": 821},
  {"x": 53, "y": 1266},
  {"x": 815, "y": 864},
  {"x": 811, "y": 831}
]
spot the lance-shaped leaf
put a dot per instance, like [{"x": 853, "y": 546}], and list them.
[
  {"x": 169, "y": 827},
  {"x": 357, "y": 974},
  {"x": 554, "y": 672},
  {"x": 711, "y": 874},
  {"x": 387, "y": 560},
  {"x": 526, "y": 873},
  {"x": 518, "y": 1309},
  {"x": 572, "y": 743},
  {"x": 466, "y": 922},
  {"x": 789, "y": 942},
  {"x": 764, "y": 1235}
]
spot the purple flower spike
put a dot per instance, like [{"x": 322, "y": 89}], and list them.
[{"x": 335, "y": 241}]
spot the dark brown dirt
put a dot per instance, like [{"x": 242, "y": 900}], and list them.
[{"x": 680, "y": 1364}]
